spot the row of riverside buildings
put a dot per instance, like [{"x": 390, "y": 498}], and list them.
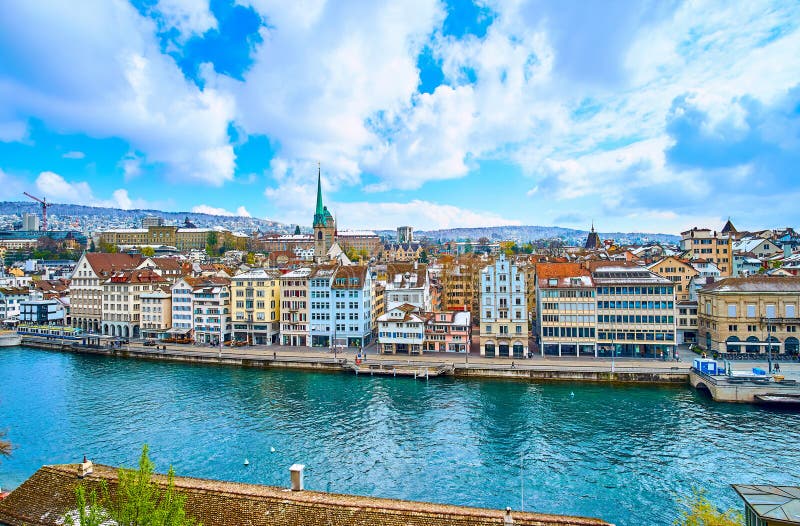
[{"x": 725, "y": 291}]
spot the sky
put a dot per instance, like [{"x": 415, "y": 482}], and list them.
[{"x": 653, "y": 116}]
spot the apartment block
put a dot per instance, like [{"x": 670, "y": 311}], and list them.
[
  {"x": 503, "y": 310},
  {"x": 122, "y": 302},
  {"x": 340, "y": 306},
  {"x": 717, "y": 247},
  {"x": 86, "y": 286},
  {"x": 255, "y": 306},
  {"x": 294, "y": 308}
]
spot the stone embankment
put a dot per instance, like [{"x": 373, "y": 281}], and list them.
[{"x": 458, "y": 365}]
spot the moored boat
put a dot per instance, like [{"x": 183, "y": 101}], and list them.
[
  {"x": 9, "y": 338},
  {"x": 775, "y": 399}
]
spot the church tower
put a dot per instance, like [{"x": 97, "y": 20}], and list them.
[{"x": 324, "y": 225}]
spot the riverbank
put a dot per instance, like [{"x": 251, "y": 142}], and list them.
[{"x": 450, "y": 364}]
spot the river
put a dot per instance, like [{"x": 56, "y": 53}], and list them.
[{"x": 621, "y": 453}]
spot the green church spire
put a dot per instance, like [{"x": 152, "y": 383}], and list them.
[{"x": 319, "y": 212}]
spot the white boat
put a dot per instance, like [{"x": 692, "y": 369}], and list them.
[{"x": 9, "y": 338}]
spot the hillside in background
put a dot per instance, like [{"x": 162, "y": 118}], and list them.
[
  {"x": 570, "y": 236},
  {"x": 92, "y": 218}
]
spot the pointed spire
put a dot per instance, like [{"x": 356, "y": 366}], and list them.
[{"x": 319, "y": 212}]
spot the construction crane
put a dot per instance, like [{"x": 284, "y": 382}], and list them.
[{"x": 44, "y": 204}]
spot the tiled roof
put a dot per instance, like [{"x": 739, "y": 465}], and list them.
[
  {"x": 103, "y": 264},
  {"x": 756, "y": 284},
  {"x": 348, "y": 272},
  {"x": 43, "y": 498},
  {"x": 560, "y": 270}
]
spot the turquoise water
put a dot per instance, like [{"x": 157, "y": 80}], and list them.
[{"x": 619, "y": 453}]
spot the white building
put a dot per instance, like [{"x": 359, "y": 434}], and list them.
[
  {"x": 340, "y": 306},
  {"x": 401, "y": 330},
  {"x": 211, "y": 308},
  {"x": 182, "y": 306},
  {"x": 10, "y": 300},
  {"x": 504, "y": 311},
  {"x": 407, "y": 283}
]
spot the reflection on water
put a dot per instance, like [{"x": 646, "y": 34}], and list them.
[{"x": 620, "y": 453}]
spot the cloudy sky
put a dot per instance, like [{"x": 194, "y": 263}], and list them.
[{"x": 648, "y": 116}]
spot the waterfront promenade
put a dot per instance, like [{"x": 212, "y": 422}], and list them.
[{"x": 460, "y": 364}]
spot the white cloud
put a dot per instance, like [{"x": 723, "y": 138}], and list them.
[
  {"x": 100, "y": 71},
  {"x": 131, "y": 166},
  {"x": 74, "y": 155},
  {"x": 206, "y": 209},
  {"x": 323, "y": 73},
  {"x": 423, "y": 214},
  {"x": 189, "y": 17}
]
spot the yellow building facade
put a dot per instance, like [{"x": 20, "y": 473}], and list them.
[{"x": 255, "y": 307}]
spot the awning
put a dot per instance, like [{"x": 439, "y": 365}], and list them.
[{"x": 176, "y": 330}]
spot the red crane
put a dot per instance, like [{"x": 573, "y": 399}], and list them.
[{"x": 44, "y": 204}]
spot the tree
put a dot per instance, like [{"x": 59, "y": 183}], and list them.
[
  {"x": 250, "y": 259},
  {"x": 137, "y": 501},
  {"x": 423, "y": 256},
  {"x": 92, "y": 247},
  {"x": 109, "y": 248},
  {"x": 701, "y": 512},
  {"x": 5, "y": 445},
  {"x": 148, "y": 252}
]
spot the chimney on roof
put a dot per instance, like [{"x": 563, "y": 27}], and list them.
[
  {"x": 296, "y": 472},
  {"x": 507, "y": 519},
  {"x": 85, "y": 467}
]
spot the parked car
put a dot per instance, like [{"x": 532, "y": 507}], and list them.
[{"x": 149, "y": 343}]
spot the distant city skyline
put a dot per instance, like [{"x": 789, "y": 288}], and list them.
[{"x": 640, "y": 117}]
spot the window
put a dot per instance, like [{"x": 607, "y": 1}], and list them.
[
  {"x": 790, "y": 311},
  {"x": 770, "y": 311},
  {"x": 731, "y": 311},
  {"x": 708, "y": 307},
  {"x": 751, "y": 311}
]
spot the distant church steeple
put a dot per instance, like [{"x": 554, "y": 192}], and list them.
[
  {"x": 593, "y": 240},
  {"x": 324, "y": 224},
  {"x": 319, "y": 210}
]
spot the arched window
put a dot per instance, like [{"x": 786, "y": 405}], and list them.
[
  {"x": 319, "y": 234},
  {"x": 752, "y": 348},
  {"x": 792, "y": 345},
  {"x": 732, "y": 344}
]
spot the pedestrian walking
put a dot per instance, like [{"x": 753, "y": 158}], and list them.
[{"x": 777, "y": 367}]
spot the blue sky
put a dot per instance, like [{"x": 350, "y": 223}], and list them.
[{"x": 649, "y": 116}]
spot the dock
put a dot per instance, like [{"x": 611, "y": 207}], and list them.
[{"x": 746, "y": 389}]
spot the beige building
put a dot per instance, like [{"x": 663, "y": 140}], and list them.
[
  {"x": 295, "y": 330},
  {"x": 255, "y": 306},
  {"x": 677, "y": 271},
  {"x": 460, "y": 280},
  {"x": 750, "y": 315},
  {"x": 86, "y": 286},
  {"x": 567, "y": 315},
  {"x": 717, "y": 247},
  {"x": 360, "y": 241},
  {"x": 179, "y": 237},
  {"x": 156, "y": 318},
  {"x": 121, "y": 314}
]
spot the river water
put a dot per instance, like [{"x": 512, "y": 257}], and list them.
[{"x": 621, "y": 453}]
